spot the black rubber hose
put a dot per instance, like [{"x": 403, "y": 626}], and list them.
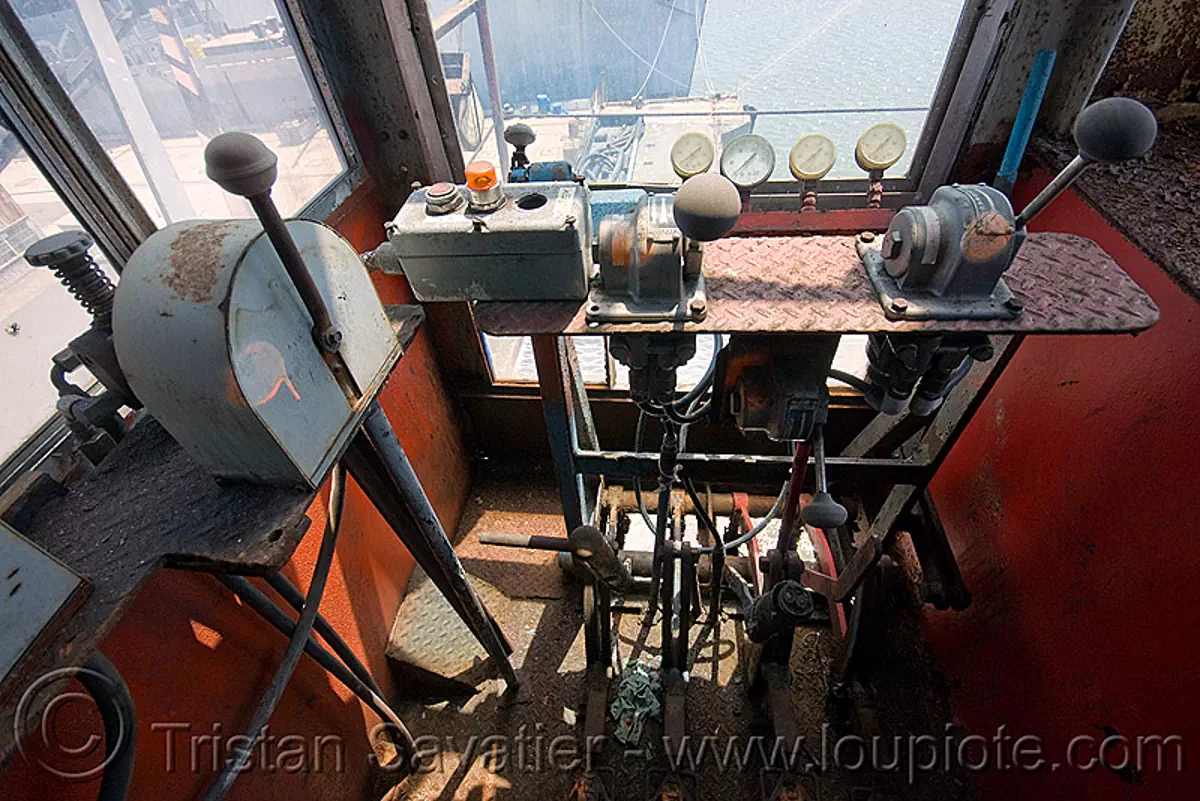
[
  {"x": 104, "y": 683},
  {"x": 288, "y": 591},
  {"x": 291, "y": 657},
  {"x": 852, "y": 380},
  {"x": 368, "y": 692}
]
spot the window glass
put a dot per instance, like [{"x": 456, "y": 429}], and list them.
[
  {"x": 609, "y": 85},
  {"x": 156, "y": 81},
  {"x": 37, "y": 315}
]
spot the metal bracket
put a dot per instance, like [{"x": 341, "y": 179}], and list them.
[
  {"x": 899, "y": 304},
  {"x": 605, "y": 307}
]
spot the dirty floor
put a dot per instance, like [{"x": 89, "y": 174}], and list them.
[{"x": 536, "y": 734}]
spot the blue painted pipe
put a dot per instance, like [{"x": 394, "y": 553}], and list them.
[{"x": 1031, "y": 102}]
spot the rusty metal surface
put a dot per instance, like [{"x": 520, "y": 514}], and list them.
[{"x": 817, "y": 284}]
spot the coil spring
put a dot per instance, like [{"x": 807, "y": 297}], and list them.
[{"x": 89, "y": 285}]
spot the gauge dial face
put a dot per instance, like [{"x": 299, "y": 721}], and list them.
[
  {"x": 880, "y": 146},
  {"x": 812, "y": 157},
  {"x": 748, "y": 161},
  {"x": 692, "y": 154}
]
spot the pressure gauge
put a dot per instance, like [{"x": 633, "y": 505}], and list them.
[
  {"x": 812, "y": 157},
  {"x": 692, "y": 154},
  {"x": 880, "y": 146},
  {"x": 748, "y": 161}
]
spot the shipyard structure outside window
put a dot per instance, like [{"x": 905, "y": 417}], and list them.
[
  {"x": 610, "y": 85},
  {"x": 154, "y": 83}
]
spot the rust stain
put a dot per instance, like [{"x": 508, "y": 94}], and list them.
[
  {"x": 196, "y": 261},
  {"x": 987, "y": 237}
]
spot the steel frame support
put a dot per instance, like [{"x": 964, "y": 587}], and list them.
[
  {"x": 379, "y": 465},
  {"x": 564, "y": 403}
]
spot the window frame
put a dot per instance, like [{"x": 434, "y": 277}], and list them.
[
  {"x": 969, "y": 60},
  {"x": 37, "y": 111}
]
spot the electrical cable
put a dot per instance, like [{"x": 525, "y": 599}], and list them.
[
  {"x": 368, "y": 692},
  {"x": 105, "y": 684},
  {"x": 657, "y": 53},
  {"x": 628, "y": 47},
  {"x": 850, "y": 380},
  {"x": 288, "y": 591},
  {"x": 234, "y": 766}
]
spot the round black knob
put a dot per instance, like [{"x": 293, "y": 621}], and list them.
[
  {"x": 519, "y": 135},
  {"x": 824, "y": 512},
  {"x": 241, "y": 164},
  {"x": 707, "y": 207},
  {"x": 1115, "y": 129}
]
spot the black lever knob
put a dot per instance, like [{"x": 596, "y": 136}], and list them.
[
  {"x": 824, "y": 512},
  {"x": 519, "y": 135},
  {"x": 707, "y": 207},
  {"x": 1107, "y": 131},
  {"x": 1115, "y": 129},
  {"x": 241, "y": 164}
]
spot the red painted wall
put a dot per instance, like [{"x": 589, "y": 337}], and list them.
[
  {"x": 193, "y": 656},
  {"x": 1071, "y": 501}
]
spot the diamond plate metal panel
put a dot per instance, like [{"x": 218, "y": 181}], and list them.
[{"x": 817, "y": 284}]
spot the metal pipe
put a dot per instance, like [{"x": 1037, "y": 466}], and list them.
[
  {"x": 1031, "y": 102},
  {"x": 381, "y": 435},
  {"x": 722, "y": 503},
  {"x": 493, "y": 80}
]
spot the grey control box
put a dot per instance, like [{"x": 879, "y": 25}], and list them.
[{"x": 536, "y": 246}]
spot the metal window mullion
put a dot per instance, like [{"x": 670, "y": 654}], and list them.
[{"x": 40, "y": 114}]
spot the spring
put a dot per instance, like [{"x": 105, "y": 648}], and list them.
[{"x": 90, "y": 286}]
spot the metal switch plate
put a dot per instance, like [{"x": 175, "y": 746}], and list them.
[{"x": 35, "y": 590}]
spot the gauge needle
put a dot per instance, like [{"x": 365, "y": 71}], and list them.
[{"x": 747, "y": 162}]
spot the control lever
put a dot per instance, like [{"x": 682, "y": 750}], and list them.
[
  {"x": 1108, "y": 131},
  {"x": 707, "y": 207},
  {"x": 822, "y": 511},
  {"x": 242, "y": 165},
  {"x": 946, "y": 260}
]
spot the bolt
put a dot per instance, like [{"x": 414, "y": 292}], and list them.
[
  {"x": 899, "y": 305},
  {"x": 478, "y": 224},
  {"x": 330, "y": 339},
  {"x": 866, "y": 236},
  {"x": 1014, "y": 305},
  {"x": 570, "y": 220},
  {"x": 697, "y": 305}
]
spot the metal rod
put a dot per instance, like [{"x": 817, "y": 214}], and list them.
[
  {"x": 268, "y": 214},
  {"x": 818, "y": 448},
  {"x": 432, "y": 536},
  {"x": 798, "y": 112},
  {"x": 791, "y": 509},
  {"x": 1053, "y": 189},
  {"x": 734, "y": 469},
  {"x": 493, "y": 80}
]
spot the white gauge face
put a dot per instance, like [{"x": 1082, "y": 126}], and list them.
[
  {"x": 692, "y": 154},
  {"x": 812, "y": 157},
  {"x": 748, "y": 161},
  {"x": 880, "y": 146}
]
